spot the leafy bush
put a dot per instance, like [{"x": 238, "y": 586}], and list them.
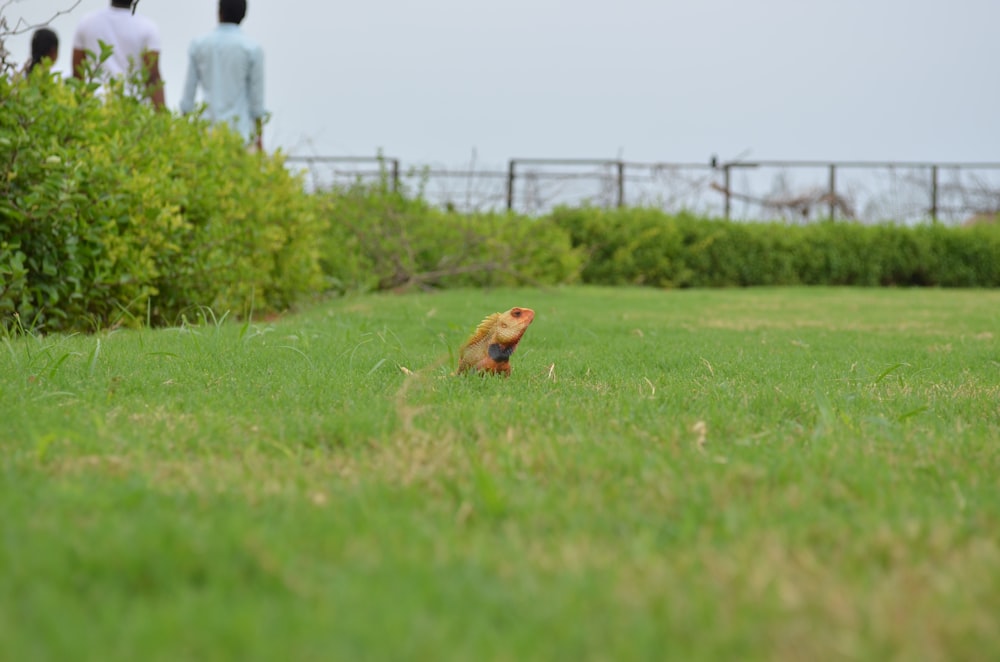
[
  {"x": 381, "y": 239},
  {"x": 111, "y": 212},
  {"x": 644, "y": 246}
]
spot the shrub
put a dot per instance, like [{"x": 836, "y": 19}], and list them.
[
  {"x": 111, "y": 212},
  {"x": 377, "y": 238},
  {"x": 644, "y": 246}
]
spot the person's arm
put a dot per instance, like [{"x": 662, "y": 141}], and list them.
[
  {"x": 154, "y": 82},
  {"x": 78, "y": 57},
  {"x": 256, "y": 95},
  {"x": 191, "y": 81},
  {"x": 259, "y": 135},
  {"x": 79, "y": 53}
]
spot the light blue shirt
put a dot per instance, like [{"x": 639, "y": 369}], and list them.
[{"x": 229, "y": 67}]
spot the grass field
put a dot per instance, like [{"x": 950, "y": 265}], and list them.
[{"x": 789, "y": 474}]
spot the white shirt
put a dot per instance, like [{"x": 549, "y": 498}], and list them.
[
  {"x": 229, "y": 66},
  {"x": 130, "y": 36}
]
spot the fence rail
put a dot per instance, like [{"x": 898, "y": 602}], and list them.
[{"x": 800, "y": 191}]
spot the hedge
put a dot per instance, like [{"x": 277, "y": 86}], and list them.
[
  {"x": 113, "y": 213},
  {"x": 381, "y": 239},
  {"x": 650, "y": 247}
]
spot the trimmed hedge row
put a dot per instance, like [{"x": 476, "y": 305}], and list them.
[{"x": 649, "y": 247}]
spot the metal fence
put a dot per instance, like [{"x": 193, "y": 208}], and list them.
[{"x": 795, "y": 191}]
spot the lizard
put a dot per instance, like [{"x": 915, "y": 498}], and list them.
[{"x": 488, "y": 350}]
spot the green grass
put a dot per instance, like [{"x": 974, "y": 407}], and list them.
[{"x": 779, "y": 474}]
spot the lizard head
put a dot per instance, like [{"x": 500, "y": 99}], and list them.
[{"x": 512, "y": 324}]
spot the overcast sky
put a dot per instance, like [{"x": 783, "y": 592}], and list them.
[{"x": 647, "y": 80}]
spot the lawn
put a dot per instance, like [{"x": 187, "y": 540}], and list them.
[{"x": 763, "y": 474}]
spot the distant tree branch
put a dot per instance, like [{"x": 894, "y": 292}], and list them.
[
  {"x": 800, "y": 205},
  {"x": 21, "y": 27}
]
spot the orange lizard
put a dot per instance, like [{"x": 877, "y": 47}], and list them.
[{"x": 488, "y": 350}]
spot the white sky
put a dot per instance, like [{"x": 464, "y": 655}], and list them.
[{"x": 647, "y": 80}]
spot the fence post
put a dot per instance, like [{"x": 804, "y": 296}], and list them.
[
  {"x": 833, "y": 191},
  {"x": 725, "y": 185},
  {"x": 395, "y": 175},
  {"x": 510, "y": 186},
  {"x": 621, "y": 184},
  {"x": 934, "y": 193},
  {"x": 312, "y": 173}
]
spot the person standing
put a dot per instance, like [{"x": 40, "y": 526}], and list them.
[
  {"x": 44, "y": 48},
  {"x": 229, "y": 67},
  {"x": 135, "y": 42}
]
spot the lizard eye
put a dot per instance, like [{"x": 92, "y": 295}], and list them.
[{"x": 516, "y": 312}]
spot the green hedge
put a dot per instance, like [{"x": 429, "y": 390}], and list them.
[
  {"x": 113, "y": 213},
  {"x": 379, "y": 239},
  {"x": 649, "y": 247}
]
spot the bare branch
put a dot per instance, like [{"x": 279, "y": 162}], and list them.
[{"x": 22, "y": 26}]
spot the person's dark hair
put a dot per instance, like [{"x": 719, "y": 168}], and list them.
[
  {"x": 232, "y": 11},
  {"x": 43, "y": 43}
]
